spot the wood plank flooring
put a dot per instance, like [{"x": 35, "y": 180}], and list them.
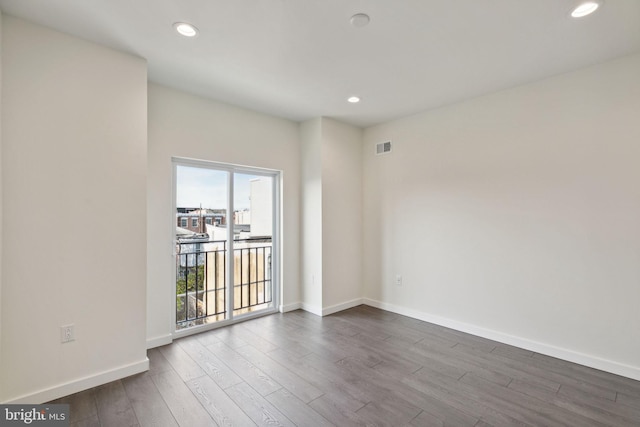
[{"x": 359, "y": 367}]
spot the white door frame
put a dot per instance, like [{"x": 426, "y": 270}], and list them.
[{"x": 276, "y": 283}]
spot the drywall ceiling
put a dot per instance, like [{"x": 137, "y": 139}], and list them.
[{"x": 300, "y": 59}]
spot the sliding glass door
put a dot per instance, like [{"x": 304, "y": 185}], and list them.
[{"x": 226, "y": 222}]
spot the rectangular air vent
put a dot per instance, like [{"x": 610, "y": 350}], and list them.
[{"x": 383, "y": 148}]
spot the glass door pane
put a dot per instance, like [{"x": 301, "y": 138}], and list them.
[
  {"x": 253, "y": 220},
  {"x": 201, "y": 245}
]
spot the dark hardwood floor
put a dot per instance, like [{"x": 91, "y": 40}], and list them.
[{"x": 359, "y": 367}]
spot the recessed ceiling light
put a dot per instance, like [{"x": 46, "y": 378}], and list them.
[
  {"x": 185, "y": 29},
  {"x": 353, "y": 99},
  {"x": 584, "y": 9},
  {"x": 359, "y": 20}
]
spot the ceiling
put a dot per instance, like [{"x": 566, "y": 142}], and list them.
[{"x": 300, "y": 59}]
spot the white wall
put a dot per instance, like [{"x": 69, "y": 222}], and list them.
[
  {"x": 311, "y": 208},
  {"x": 517, "y": 213},
  {"x": 1, "y": 383},
  {"x": 74, "y": 189},
  {"x": 331, "y": 212},
  {"x": 341, "y": 215},
  {"x": 184, "y": 125}
]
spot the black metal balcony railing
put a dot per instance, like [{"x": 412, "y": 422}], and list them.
[{"x": 201, "y": 279}]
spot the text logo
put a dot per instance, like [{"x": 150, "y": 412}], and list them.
[{"x": 34, "y": 415}]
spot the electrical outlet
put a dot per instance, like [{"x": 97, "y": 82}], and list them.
[
  {"x": 398, "y": 280},
  {"x": 67, "y": 333}
]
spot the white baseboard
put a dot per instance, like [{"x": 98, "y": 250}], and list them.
[
  {"x": 290, "y": 307},
  {"x": 342, "y": 306},
  {"x": 613, "y": 367},
  {"x": 311, "y": 309},
  {"x": 81, "y": 384},
  {"x": 318, "y": 311},
  {"x": 159, "y": 341}
]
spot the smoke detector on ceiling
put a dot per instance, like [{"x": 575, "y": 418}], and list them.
[{"x": 360, "y": 20}]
